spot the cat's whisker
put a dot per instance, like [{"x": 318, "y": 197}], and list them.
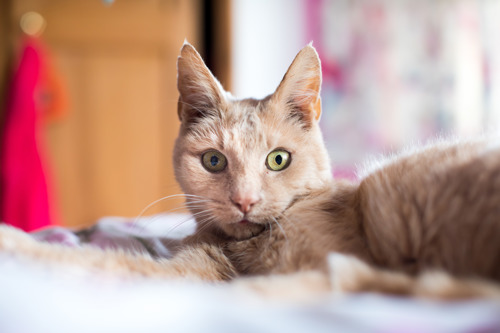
[
  {"x": 187, "y": 219},
  {"x": 153, "y": 218},
  {"x": 168, "y": 197},
  {"x": 287, "y": 242},
  {"x": 172, "y": 210},
  {"x": 202, "y": 217},
  {"x": 194, "y": 199},
  {"x": 281, "y": 228},
  {"x": 270, "y": 234},
  {"x": 156, "y": 202},
  {"x": 291, "y": 223},
  {"x": 201, "y": 213},
  {"x": 173, "y": 240},
  {"x": 205, "y": 224},
  {"x": 196, "y": 204}
]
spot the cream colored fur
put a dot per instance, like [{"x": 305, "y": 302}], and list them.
[{"x": 424, "y": 223}]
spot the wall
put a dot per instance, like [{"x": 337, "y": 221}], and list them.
[
  {"x": 395, "y": 72},
  {"x": 110, "y": 152},
  {"x": 266, "y": 37}
]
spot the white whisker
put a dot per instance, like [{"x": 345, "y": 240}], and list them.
[{"x": 281, "y": 228}]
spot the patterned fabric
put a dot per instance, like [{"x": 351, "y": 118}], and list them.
[{"x": 154, "y": 235}]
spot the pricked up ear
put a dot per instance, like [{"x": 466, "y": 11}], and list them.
[
  {"x": 299, "y": 90},
  {"x": 200, "y": 94}
]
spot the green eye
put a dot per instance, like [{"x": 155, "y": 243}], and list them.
[
  {"x": 214, "y": 161},
  {"x": 278, "y": 160}
]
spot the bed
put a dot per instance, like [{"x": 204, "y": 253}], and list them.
[{"x": 34, "y": 298}]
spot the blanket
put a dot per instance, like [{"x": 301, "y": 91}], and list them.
[
  {"x": 155, "y": 235},
  {"x": 34, "y": 298}
]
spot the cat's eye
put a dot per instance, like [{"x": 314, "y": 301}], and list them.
[
  {"x": 214, "y": 161},
  {"x": 278, "y": 160}
]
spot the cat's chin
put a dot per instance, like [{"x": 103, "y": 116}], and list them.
[{"x": 243, "y": 230}]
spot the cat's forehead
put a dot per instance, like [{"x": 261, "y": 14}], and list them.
[{"x": 241, "y": 124}]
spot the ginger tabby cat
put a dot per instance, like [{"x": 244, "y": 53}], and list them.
[{"x": 257, "y": 179}]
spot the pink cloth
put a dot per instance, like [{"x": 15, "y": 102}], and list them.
[{"x": 25, "y": 198}]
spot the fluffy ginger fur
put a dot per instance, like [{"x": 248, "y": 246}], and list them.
[{"x": 424, "y": 224}]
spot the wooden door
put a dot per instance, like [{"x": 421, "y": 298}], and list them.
[{"x": 111, "y": 154}]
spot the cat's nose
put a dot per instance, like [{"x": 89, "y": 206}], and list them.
[{"x": 245, "y": 202}]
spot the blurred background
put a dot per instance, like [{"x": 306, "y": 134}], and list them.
[{"x": 89, "y": 99}]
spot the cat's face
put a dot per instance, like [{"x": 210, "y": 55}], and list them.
[{"x": 246, "y": 162}]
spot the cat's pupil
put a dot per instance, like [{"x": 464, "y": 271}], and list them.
[
  {"x": 214, "y": 160},
  {"x": 278, "y": 159}
]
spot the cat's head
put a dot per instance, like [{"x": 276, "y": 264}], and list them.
[{"x": 245, "y": 162}]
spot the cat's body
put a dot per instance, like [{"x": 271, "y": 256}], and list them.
[
  {"x": 257, "y": 178},
  {"x": 436, "y": 208},
  {"x": 432, "y": 210}
]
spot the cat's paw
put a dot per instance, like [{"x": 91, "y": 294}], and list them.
[
  {"x": 441, "y": 285},
  {"x": 346, "y": 272},
  {"x": 12, "y": 238},
  {"x": 203, "y": 261},
  {"x": 349, "y": 274},
  {"x": 300, "y": 286}
]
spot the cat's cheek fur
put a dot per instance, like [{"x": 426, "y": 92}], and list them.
[{"x": 213, "y": 206}]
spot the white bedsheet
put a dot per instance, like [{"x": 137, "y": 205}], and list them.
[{"x": 36, "y": 299}]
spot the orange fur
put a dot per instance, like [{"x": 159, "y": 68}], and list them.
[
  {"x": 425, "y": 223},
  {"x": 429, "y": 210}
]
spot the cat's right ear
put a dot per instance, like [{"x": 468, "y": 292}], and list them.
[
  {"x": 300, "y": 88},
  {"x": 201, "y": 95}
]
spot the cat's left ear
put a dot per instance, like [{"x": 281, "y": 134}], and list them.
[{"x": 300, "y": 87}]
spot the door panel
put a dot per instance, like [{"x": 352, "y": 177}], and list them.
[{"x": 111, "y": 153}]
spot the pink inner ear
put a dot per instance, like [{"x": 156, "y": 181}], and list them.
[
  {"x": 310, "y": 107},
  {"x": 306, "y": 95},
  {"x": 317, "y": 108}
]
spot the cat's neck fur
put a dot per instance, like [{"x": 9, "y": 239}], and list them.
[{"x": 325, "y": 220}]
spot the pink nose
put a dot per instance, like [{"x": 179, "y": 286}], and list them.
[{"x": 244, "y": 202}]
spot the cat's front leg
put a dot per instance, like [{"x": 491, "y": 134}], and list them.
[{"x": 201, "y": 262}]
